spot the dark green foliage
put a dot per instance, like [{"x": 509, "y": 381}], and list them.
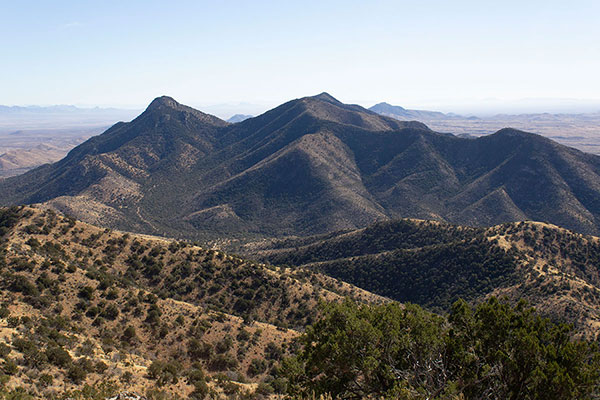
[
  {"x": 493, "y": 351},
  {"x": 20, "y": 283},
  {"x": 8, "y": 218},
  {"x": 33, "y": 243},
  {"x": 4, "y": 350},
  {"x": 199, "y": 350},
  {"x": 519, "y": 354},
  {"x": 32, "y": 354},
  {"x": 243, "y": 335},
  {"x": 264, "y": 389},
  {"x": 257, "y": 366},
  {"x": 129, "y": 334},
  {"x": 111, "y": 312},
  {"x": 376, "y": 238},
  {"x": 434, "y": 276},
  {"x": 273, "y": 351},
  {"x": 224, "y": 345},
  {"x": 76, "y": 373},
  {"x": 197, "y": 378},
  {"x": 222, "y": 362},
  {"x": 153, "y": 314},
  {"x": 58, "y": 356},
  {"x": 87, "y": 293},
  {"x": 46, "y": 380},
  {"x": 419, "y": 262},
  {"x": 164, "y": 372},
  {"x": 9, "y": 367}
]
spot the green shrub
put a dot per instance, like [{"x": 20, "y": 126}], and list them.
[
  {"x": 164, "y": 372},
  {"x": 46, "y": 380},
  {"x": 4, "y": 350},
  {"x": 264, "y": 389},
  {"x": 224, "y": 345},
  {"x": 9, "y": 367},
  {"x": 58, "y": 356},
  {"x": 491, "y": 351},
  {"x": 21, "y": 283},
  {"x": 76, "y": 373},
  {"x": 111, "y": 312},
  {"x": 257, "y": 366},
  {"x": 129, "y": 334},
  {"x": 199, "y": 350},
  {"x": 222, "y": 362}
]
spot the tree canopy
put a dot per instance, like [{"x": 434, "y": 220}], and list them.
[{"x": 490, "y": 351}]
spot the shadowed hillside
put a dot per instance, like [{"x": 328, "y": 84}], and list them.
[{"x": 434, "y": 264}]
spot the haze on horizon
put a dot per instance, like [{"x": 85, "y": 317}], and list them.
[{"x": 464, "y": 56}]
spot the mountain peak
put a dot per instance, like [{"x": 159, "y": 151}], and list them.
[
  {"x": 326, "y": 97},
  {"x": 238, "y": 118},
  {"x": 166, "y": 104},
  {"x": 163, "y": 101},
  {"x": 512, "y": 132},
  {"x": 386, "y": 107},
  {"x": 517, "y": 133}
]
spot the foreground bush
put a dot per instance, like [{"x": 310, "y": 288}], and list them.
[{"x": 492, "y": 351}]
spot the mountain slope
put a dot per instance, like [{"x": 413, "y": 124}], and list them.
[
  {"x": 312, "y": 165},
  {"x": 434, "y": 264},
  {"x": 81, "y": 304}
]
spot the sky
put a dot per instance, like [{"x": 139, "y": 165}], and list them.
[{"x": 247, "y": 56}]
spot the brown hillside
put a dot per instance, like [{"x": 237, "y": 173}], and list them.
[{"x": 85, "y": 305}]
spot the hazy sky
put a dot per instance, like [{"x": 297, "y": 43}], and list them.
[{"x": 448, "y": 55}]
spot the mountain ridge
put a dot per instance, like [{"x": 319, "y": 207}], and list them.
[{"x": 311, "y": 165}]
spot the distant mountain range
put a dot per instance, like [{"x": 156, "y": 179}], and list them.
[
  {"x": 57, "y": 109},
  {"x": 59, "y": 117},
  {"x": 581, "y": 131},
  {"x": 34, "y": 135},
  {"x": 17, "y": 118},
  {"x": 312, "y": 165},
  {"x": 238, "y": 118},
  {"x": 410, "y": 115}
]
